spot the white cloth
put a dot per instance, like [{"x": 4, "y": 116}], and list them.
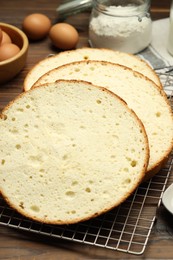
[
  {"x": 156, "y": 53},
  {"x": 160, "y": 33},
  {"x": 157, "y": 56}
]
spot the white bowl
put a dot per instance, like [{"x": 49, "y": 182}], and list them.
[{"x": 167, "y": 198}]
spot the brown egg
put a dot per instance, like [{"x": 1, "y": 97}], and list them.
[
  {"x": 5, "y": 38},
  {"x": 8, "y": 50},
  {"x": 0, "y": 35},
  {"x": 36, "y": 26},
  {"x": 64, "y": 36}
]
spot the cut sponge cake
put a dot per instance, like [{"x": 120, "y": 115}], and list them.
[
  {"x": 70, "y": 151},
  {"x": 65, "y": 57},
  {"x": 141, "y": 94}
]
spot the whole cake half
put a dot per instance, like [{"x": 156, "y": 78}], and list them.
[{"x": 70, "y": 151}]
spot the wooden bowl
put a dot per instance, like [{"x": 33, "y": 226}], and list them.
[{"x": 11, "y": 67}]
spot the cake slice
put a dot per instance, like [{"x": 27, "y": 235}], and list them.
[
  {"x": 70, "y": 151},
  {"x": 141, "y": 94},
  {"x": 65, "y": 57}
]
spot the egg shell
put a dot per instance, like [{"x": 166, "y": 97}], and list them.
[
  {"x": 36, "y": 26},
  {"x": 0, "y": 35},
  {"x": 8, "y": 50},
  {"x": 5, "y": 38},
  {"x": 64, "y": 36}
]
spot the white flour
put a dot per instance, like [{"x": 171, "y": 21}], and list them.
[{"x": 121, "y": 32}]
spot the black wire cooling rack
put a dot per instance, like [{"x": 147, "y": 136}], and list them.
[{"x": 126, "y": 228}]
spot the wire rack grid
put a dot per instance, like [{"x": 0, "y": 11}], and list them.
[{"x": 126, "y": 228}]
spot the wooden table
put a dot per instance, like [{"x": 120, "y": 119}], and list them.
[{"x": 15, "y": 244}]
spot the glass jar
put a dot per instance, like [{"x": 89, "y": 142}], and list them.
[
  {"x": 170, "y": 36},
  {"x": 123, "y": 25},
  {"x": 71, "y": 7}
]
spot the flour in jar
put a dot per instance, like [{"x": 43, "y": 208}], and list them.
[{"x": 118, "y": 30}]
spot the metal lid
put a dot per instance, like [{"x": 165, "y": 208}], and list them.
[{"x": 73, "y": 7}]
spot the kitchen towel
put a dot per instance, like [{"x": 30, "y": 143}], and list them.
[{"x": 157, "y": 56}]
